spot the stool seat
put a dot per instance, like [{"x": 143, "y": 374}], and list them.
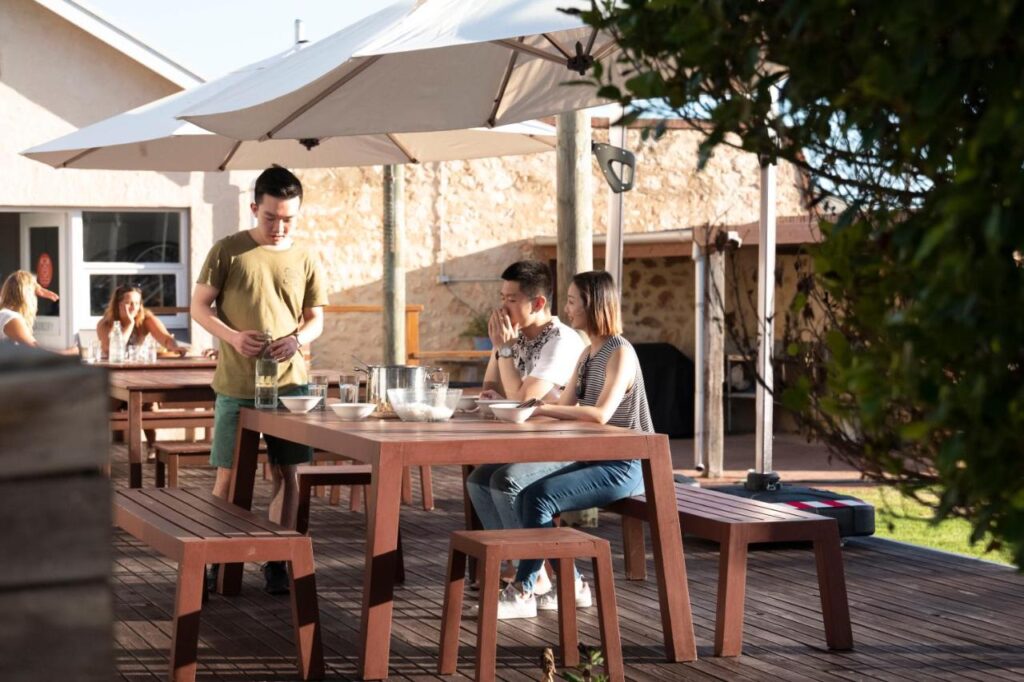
[{"x": 490, "y": 548}]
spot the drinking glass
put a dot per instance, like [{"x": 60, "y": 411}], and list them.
[
  {"x": 318, "y": 388},
  {"x": 348, "y": 385},
  {"x": 437, "y": 378}
]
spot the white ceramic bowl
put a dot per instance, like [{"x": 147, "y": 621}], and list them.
[
  {"x": 300, "y": 403},
  {"x": 485, "y": 405},
  {"x": 424, "y": 405},
  {"x": 352, "y": 411},
  {"x": 467, "y": 402},
  {"x": 511, "y": 413}
]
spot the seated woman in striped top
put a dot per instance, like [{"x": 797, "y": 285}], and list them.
[{"x": 609, "y": 390}]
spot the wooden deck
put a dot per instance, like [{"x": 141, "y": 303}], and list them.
[{"x": 917, "y": 614}]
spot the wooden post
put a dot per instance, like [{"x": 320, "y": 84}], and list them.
[
  {"x": 575, "y": 201},
  {"x": 394, "y": 265},
  {"x": 714, "y": 369},
  {"x": 56, "y": 544}
]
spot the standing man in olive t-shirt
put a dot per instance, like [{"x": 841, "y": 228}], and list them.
[{"x": 259, "y": 279}]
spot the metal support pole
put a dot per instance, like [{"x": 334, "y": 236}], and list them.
[
  {"x": 766, "y": 321},
  {"x": 614, "y": 243}
]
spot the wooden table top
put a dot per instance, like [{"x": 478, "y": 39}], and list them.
[
  {"x": 160, "y": 364},
  {"x": 158, "y": 379}
]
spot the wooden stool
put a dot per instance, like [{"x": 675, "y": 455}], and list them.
[{"x": 490, "y": 548}]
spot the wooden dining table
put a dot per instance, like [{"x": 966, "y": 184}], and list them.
[
  {"x": 158, "y": 385},
  {"x": 389, "y": 445},
  {"x": 161, "y": 363}
]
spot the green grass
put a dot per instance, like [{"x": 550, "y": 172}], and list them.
[{"x": 903, "y": 519}]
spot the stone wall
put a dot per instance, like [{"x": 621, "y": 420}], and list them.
[{"x": 469, "y": 219}]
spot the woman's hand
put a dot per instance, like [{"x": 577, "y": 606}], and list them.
[{"x": 47, "y": 294}]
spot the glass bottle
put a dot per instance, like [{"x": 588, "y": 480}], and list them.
[
  {"x": 266, "y": 376},
  {"x": 116, "y": 352}
]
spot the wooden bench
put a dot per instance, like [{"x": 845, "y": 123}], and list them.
[
  {"x": 490, "y": 548},
  {"x": 196, "y": 529},
  {"x": 172, "y": 455},
  {"x": 735, "y": 523},
  {"x": 165, "y": 419}
]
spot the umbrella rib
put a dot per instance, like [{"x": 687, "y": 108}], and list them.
[
  {"x": 401, "y": 148},
  {"x": 556, "y": 45},
  {"x": 370, "y": 61},
  {"x": 605, "y": 50},
  {"x": 535, "y": 51},
  {"x": 504, "y": 84},
  {"x": 76, "y": 157},
  {"x": 590, "y": 43},
  {"x": 234, "y": 148}
]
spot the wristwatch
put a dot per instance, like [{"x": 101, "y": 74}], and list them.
[{"x": 503, "y": 352}]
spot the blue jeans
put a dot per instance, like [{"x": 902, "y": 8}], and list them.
[
  {"x": 494, "y": 490},
  {"x": 579, "y": 486}
]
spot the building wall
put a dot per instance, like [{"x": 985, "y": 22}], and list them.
[
  {"x": 472, "y": 218},
  {"x": 55, "y": 78}
]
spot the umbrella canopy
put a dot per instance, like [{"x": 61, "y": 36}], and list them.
[
  {"x": 151, "y": 137},
  {"x": 445, "y": 64}
]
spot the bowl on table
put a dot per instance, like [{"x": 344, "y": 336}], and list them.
[
  {"x": 485, "y": 405},
  {"x": 467, "y": 403},
  {"x": 424, "y": 404},
  {"x": 352, "y": 411},
  {"x": 300, "y": 404},
  {"x": 511, "y": 412}
]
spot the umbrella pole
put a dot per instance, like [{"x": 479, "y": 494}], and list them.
[{"x": 394, "y": 265}]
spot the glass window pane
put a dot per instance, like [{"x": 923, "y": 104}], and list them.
[
  {"x": 131, "y": 237},
  {"x": 157, "y": 290}
]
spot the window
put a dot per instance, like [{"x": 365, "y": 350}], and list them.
[{"x": 143, "y": 248}]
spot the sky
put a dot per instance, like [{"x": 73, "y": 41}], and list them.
[{"x": 214, "y": 37}]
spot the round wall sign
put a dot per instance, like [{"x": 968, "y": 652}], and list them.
[{"x": 44, "y": 270}]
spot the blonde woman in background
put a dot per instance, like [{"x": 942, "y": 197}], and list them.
[{"x": 18, "y": 307}]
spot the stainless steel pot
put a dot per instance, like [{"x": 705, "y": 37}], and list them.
[{"x": 379, "y": 378}]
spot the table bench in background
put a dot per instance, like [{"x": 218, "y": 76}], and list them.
[{"x": 735, "y": 523}]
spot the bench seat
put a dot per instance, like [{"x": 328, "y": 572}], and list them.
[
  {"x": 735, "y": 523},
  {"x": 195, "y": 529}
]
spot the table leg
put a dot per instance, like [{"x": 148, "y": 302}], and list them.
[
  {"x": 383, "y": 508},
  {"x": 472, "y": 520},
  {"x": 135, "y": 439},
  {"x": 673, "y": 593},
  {"x": 243, "y": 480}
]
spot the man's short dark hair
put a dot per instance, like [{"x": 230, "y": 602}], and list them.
[
  {"x": 534, "y": 278},
  {"x": 278, "y": 182}
]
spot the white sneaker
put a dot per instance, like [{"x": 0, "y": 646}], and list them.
[
  {"x": 584, "y": 600},
  {"x": 515, "y": 604}
]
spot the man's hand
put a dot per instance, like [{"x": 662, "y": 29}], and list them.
[
  {"x": 500, "y": 328},
  {"x": 249, "y": 343},
  {"x": 284, "y": 348}
]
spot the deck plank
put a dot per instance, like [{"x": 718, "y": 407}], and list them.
[{"x": 916, "y": 614}]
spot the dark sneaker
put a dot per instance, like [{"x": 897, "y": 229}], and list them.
[{"x": 276, "y": 574}]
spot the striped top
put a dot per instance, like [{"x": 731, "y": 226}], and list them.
[{"x": 633, "y": 412}]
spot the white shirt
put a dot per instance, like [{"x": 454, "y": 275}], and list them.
[
  {"x": 551, "y": 356},
  {"x": 6, "y": 315}
]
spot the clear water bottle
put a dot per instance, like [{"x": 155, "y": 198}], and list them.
[
  {"x": 116, "y": 343},
  {"x": 266, "y": 377}
]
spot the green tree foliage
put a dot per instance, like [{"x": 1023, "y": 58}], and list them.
[{"x": 911, "y": 115}]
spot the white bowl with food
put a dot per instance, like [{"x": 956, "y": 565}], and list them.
[
  {"x": 467, "y": 403},
  {"x": 485, "y": 405},
  {"x": 351, "y": 412},
  {"x": 512, "y": 412},
  {"x": 300, "y": 404},
  {"x": 424, "y": 404}
]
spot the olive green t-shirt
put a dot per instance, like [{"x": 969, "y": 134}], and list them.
[{"x": 260, "y": 289}]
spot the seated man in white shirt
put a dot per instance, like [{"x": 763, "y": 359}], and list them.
[{"x": 535, "y": 356}]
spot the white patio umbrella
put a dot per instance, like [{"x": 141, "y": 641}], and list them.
[
  {"x": 152, "y": 137},
  {"x": 446, "y": 64}
]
